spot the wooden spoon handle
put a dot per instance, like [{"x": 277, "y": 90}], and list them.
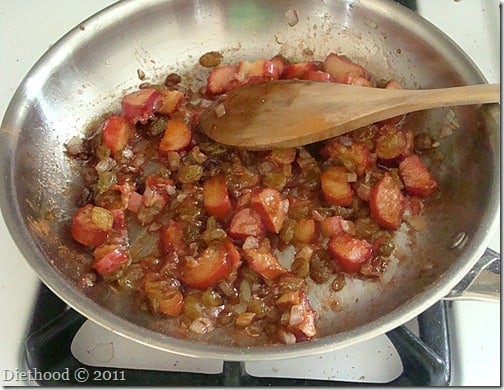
[
  {"x": 333, "y": 111},
  {"x": 373, "y": 105},
  {"x": 416, "y": 100}
]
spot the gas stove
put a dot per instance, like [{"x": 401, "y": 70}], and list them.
[{"x": 452, "y": 343}]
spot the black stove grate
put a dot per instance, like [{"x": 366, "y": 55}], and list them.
[{"x": 425, "y": 358}]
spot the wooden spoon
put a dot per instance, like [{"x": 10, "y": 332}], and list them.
[{"x": 287, "y": 113}]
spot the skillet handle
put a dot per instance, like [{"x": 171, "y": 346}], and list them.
[{"x": 482, "y": 282}]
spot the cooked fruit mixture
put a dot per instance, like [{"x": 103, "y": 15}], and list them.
[{"x": 200, "y": 231}]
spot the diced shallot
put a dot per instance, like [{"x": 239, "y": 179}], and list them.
[
  {"x": 292, "y": 17},
  {"x": 220, "y": 110},
  {"x": 74, "y": 146},
  {"x": 296, "y": 315},
  {"x": 245, "y": 319},
  {"x": 201, "y": 325},
  {"x": 286, "y": 337}
]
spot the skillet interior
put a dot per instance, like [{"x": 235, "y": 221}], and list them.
[{"x": 85, "y": 74}]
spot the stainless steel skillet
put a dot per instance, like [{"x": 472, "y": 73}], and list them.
[{"x": 85, "y": 73}]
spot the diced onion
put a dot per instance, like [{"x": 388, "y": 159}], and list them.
[
  {"x": 346, "y": 141},
  {"x": 191, "y": 261},
  {"x": 181, "y": 197},
  {"x": 154, "y": 226},
  {"x": 250, "y": 243},
  {"x": 205, "y": 103},
  {"x": 450, "y": 123},
  {"x": 292, "y": 17},
  {"x": 201, "y": 325},
  {"x": 88, "y": 280},
  {"x": 227, "y": 289},
  {"x": 363, "y": 191},
  {"x": 171, "y": 189},
  {"x": 105, "y": 165},
  {"x": 348, "y": 227},
  {"x": 286, "y": 337},
  {"x": 306, "y": 252},
  {"x": 244, "y": 319},
  {"x": 351, "y": 177},
  {"x": 317, "y": 216},
  {"x": 173, "y": 160},
  {"x": 220, "y": 110},
  {"x": 241, "y": 307},
  {"x": 390, "y": 271},
  {"x": 127, "y": 153},
  {"x": 75, "y": 146},
  {"x": 417, "y": 222},
  {"x": 445, "y": 132},
  {"x": 296, "y": 315},
  {"x": 245, "y": 291}
]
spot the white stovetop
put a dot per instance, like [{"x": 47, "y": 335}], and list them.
[{"x": 29, "y": 27}]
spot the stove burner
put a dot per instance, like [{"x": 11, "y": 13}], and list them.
[{"x": 425, "y": 358}]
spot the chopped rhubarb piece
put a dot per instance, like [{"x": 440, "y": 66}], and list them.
[
  {"x": 282, "y": 156},
  {"x": 331, "y": 226},
  {"x": 243, "y": 200},
  {"x": 417, "y": 179},
  {"x": 115, "y": 133},
  {"x": 391, "y": 143},
  {"x": 317, "y": 75},
  {"x": 245, "y": 223},
  {"x": 168, "y": 101},
  {"x": 393, "y": 84},
  {"x": 341, "y": 68},
  {"x": 257, "y": 72},
  {"x": 91, "y": 225},
  {"x": 297, "y": 70},
  {"x": 232, "y": 253},
  {"x": 177, "y": 136},
  {"x": 350, "y": 252},
  {"x": 216, "y": 198},
  {"x": 222, "y": 79},
  {"x": 207, "y": 269},
  {"x": 108, "y": 259},
  {"x": 262, "y": 261},
  {"x": 302, "y": 319},
  {"x": 271, "y": 207},
  {"x": 387, "y": 203},
  {"x": 135, "y": 200},
  {"x": 119, "y": 219},
  {"x": 335, "y": 186},
  {"x": 164, "y": 297},
  {"x": 157, "y": 187},
  {"x": 305, "y": 231},
  {"x": 355, "y": 157},
  {"x": 140, "y": 106},
  {"x": 172, "y": 239},
  {"x": 351, "y": 78}
]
